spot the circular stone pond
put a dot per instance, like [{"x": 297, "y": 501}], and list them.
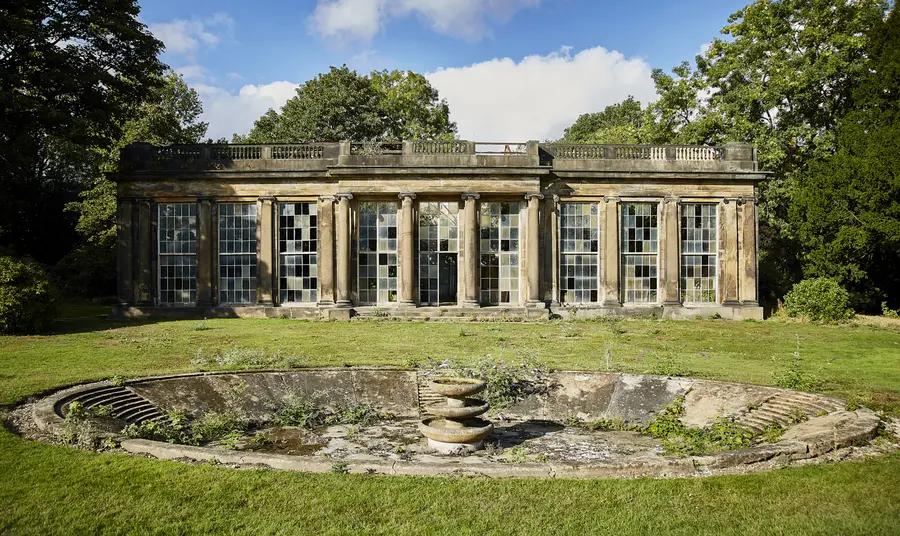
[{"x": 366, "y": 420}]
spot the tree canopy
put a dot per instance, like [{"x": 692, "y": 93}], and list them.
[{"x": 344, "y": 105}]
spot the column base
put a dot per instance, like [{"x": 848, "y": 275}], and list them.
[
  {"x": 731, "y": 303},
  {"x": 671, "y": 303},
  {"x": 343, "y": 304},
  {"x": 407, "y": 304},
  {"x": 469, "y": 303},
  {"x": 325, "y": 304},
  {"x": 612, "y": 303},
  {"x": 535, "y": 304},
  {"x": 749, "y": 303}
]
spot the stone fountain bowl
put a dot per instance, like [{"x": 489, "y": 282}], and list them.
[
  {"x": 469, "y": 431},
  {"x": 471, "y": 408},
  {"x": 457, "y": 387}
]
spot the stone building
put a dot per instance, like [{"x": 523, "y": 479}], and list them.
[{"x": 437, "y": 228}]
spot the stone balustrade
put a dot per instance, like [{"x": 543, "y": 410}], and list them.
[{"x": 437, "y": 153}]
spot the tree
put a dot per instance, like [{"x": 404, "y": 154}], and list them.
[
  {"x": 70, "y": 73},
  {"x": 618, "y": 123},
  {"x": 848, "y": 203},
  {"x": 344, "y": 105},
  {"x": 170, "y": 114}
]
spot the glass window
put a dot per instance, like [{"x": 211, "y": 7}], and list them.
[
  {"x": 377, "y": 252},
  {"x": 579, "y": 252},
  {"x": 237, "y": 252},
  {"x": 499, "y": 253},
  {"x": 640, "y": 259},
  {"x": 699, "y": 253},
  {"x": 298, "y": 276},
  {"x": 438, "y": 250},
  {"x": 177, "y": 229}
]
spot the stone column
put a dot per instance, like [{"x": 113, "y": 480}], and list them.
[
  {"x": 125, "y": 251},
  {"x": 470, "y": 296},
  {"x": 143, "y": 294},
  {"x": 204, "y": 252},
  {"x": 551, "y": 250},
  {"x": 532, "y": 247},
  {"x": 325, "y": 240},
  {"x": 748, "y": 254},
  {"x": 265, "y": 251},
  {"x": 610, "y": 242},
  {"x": 730, "y": 257},
  {"x": 342, "y": 227},
  {"x": 407, "y": 251},
  {"x": 669, "y": 250}
]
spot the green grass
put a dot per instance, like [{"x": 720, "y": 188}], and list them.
[{"x": 55, "y": 490}]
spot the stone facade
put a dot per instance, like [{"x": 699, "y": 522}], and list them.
[{"x": 438, "y": 228}]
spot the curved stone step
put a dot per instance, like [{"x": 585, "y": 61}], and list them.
[
  {"x": 142, "y": 415},
  {"x": 124, "y": 404}
]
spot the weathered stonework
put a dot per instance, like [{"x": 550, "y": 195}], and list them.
[{"x": 519, "y": 262}]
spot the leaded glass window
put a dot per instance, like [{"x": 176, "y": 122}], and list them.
[
  {"x": 377, "y": 252},
  {"x": 237, "y": 253},
  {"x": 699, "y": 258},
  {"x": 640, "y": 257},
  {"x": 499, "y": 253},
  {"x": 177, "y": 229},
  {"x": 298, "y": 276},
  {"x": 579, "y": 262},
  {"x": 438, "y": 250}
]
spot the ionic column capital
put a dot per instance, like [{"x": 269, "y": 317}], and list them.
[
  {"x": 269, "y": 198},
  {"x": 735, "y": 200},
  {"x": 343, "y": 196},
  {"x": 529, "y": 197},
  {"x": 555, "y": 199},
  {"x": 327, "y": 198},
  {"x": 613, "y": 198},
  {"x": 471, "y": 195},
  {"x": 406, "y": 197},
  {"x": 671, "y": 199}
]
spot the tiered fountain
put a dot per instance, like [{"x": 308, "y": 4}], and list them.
[{"x": 455, "y": 430}]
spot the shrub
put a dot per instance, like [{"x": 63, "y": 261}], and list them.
[
  {"x": 821, "y": 300},
  {"x": 27, "y": 300}
]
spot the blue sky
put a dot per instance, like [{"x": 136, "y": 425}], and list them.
[{"x": 510, "y": 69}]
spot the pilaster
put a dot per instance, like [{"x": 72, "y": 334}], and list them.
[
  {"x": 125, "y": 251},
  {"x": 325, "y": 253},
  {"x": 342, "y": 249},
  {"x": 532, "y": 250},
  {"x": 470, "y": 294},
  {"x": 145, "y": 246},
  {"x": 265, "y": 240},
  {"x": 551, "y": 250},
  {"x": 407, "y": 251},
  {"x": 204, "y": 252},
  {"x": 749, "y": 252},
  {"x": 669, "y": 249},
  {"x": 611, "y": 244},
  {"x": 730, "y": 257}
]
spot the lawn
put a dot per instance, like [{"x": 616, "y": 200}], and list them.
[{"x": 56, "y": 490}]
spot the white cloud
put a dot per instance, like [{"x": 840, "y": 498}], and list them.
[
  {"x": 361, "y": 20},
  {"x": 185, "y": 37},
  {"x": 538, "y": 97},
  {"x": 229, "y": 113},
  {"x": 192, "y": 72}
]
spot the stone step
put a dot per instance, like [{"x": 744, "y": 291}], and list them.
[
  {"x": 113, "y": 401},
  {"x": 92, "y": 397},
  {"x": 141, "y": 415}
]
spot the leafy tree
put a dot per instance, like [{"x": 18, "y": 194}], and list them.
[
  {"x": 618, "y": 123},
  {"x": 170, "y": 114},
  {"x": 70, "y": 71},
  {"x": 344, "y": 105},
  {"x": 848, "y": 203}
]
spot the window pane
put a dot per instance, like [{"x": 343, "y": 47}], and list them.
[
  {"x": 177, "y": 239},
  {"x": 438, "y": 247},
  {"x": 499, "y": 263},
  {"x": 237, "y": 253},
  {"x": 640, "y": 235},
  {"x": 377, "y": 269},
  {"x": 298, "y": 275},
  {"x": 699, "y": 253},
  {"x": 579, "y": 263}
]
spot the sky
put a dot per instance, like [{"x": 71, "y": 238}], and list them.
[{"x": 510, "y": 70}]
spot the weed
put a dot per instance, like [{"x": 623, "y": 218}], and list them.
[
  {"x": 888, "y": 312},
  {"x": 853, "y": 403},
  {"x": 174, "y": 428},
  {"x": 772, "y": 433},
  {"x": 752, "y": 406},
  {"x": 666, "y": 364},
  {"x": 340, "y": 467},
  {"x": 101, "y": 410},
  {"x": 240, "y": 357},
  {"x": 300, "y": 411},
  {"x": 793, "y": 375},
  {"x": 230, "y": 440},
  {"x": 798, "y": 415},
  {"x": 517, "y": 454},
  {"x": 257, "y": 440},
  {"x": 202, "y": 326},
  {"x": 353, "y": 431},
  {"x": 78, "y": 432},
  {"x": 213, "y": 425},
  {"x": 355, "y": 414},
  {"x": 117, "y": 381}
]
